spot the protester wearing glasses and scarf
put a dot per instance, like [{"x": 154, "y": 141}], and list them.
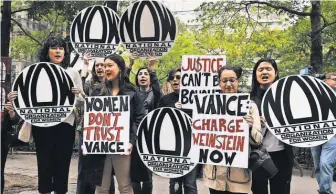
[
  {"x": 172, "y": 100},
  {"x": 227, "y": 180}
]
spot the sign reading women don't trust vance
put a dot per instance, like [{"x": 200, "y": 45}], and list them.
[
  {"x": 300, "y": 111},
  {"x": 148, "y": 28},
  {"x": 165, "y": 143},
  {"x": 106, "y": 124},
  {"x": 44, "y": 94}
]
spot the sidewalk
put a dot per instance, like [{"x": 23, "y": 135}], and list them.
[{"x": 21, "y": 178}]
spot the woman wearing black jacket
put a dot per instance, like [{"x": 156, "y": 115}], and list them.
[
  {"x": 100, "y": 166},
  {"x": 265, "y": 73},
  {"x": 149, "y": 88},
  {"x": 54, "y": 144}
]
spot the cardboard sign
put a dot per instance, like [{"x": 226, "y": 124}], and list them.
[
  {"x": 44, "y": 94},
  {"x": 5, "y": 74},
  {"x": 164, "y": 143},
  {"x": 106, "y": 125},
  {"x": 199, "y": 75},
  {"x": 300, "y": 111},
  {"x": 95, "y": 30},
  {"x": 220, "y": 132},
  {"x": 148, "y": 27}
]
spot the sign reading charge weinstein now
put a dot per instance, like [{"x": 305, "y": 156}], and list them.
[
  {"x": 219, "y": 130},
  {"x": 106, "y": 124}
]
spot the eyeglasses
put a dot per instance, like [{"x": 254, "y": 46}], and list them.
[
  {"x": 173, "y": 77},
  {"x": 231, "y": 80},
  {"x": 334, "y": 79}
]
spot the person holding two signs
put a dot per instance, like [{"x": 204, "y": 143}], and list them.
[{"x": 218, "y": 178}]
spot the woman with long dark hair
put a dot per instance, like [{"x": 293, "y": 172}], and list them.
[
  {"x": 54, "y": 144},
  {"x": 97, "y": 77},
  {"x": 149, "y": 88},
  {"x": 228, "y": 180},
  {"x": 265, "y": 73},
  {"x": 116, "y": 83}
]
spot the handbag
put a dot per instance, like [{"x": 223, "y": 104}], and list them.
[{"x": 260, "y": 159}]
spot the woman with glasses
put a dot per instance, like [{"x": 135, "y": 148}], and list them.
[
  {"x": 172, "y": 100},
  {"x": 265, "y": 73},
  {"x": 227, "y": 180}
]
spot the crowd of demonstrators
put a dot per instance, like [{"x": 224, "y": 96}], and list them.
[
  {"x": 188, "y": 181},
  {"x": 227, "y": 180},
  {"x": 110, "y": 77},
  {"x": 324, "y": 155},
  {"x": 265, "y": 73}
]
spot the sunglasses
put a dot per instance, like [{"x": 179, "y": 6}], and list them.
[
  {"x": 173, "y": 77},
  {"x": 231, "y": 80}
]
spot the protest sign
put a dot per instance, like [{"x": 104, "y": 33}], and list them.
[
  {"x": 95, "y": 30},
  {"x": 44, "y": 94},
  {"x": 300, "y": 111},
  {"x": 164, "y": 143},
  {"x": 106, "y": 124},
  {"x": 219, "y": 130},
  {"x": 148, "y": 28},
  {"x": 199, "y": 75}
]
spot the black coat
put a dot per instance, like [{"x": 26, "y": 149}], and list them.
[
  {"x": 94, "y": 164},
  {"x": 289, "y": 149},
  {"x": 139, "y": 172}
]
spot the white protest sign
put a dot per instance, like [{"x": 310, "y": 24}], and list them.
[
  {"x": 300, "y": 111},
  {"x": 44, "y": 94},
  {"x": 148, "y": 27},
  {"x": 106, "y": 124},
  {"x": 219, "y": 130},
  {"x": 199, "y": 74},
  {"x": 165, "y": 144},
  {"x": 95, "y": 30}
]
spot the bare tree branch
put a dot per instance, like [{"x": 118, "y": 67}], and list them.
[
  {"x": 326, "y": 24},
  {"x": 29, "y": 8},
  {"x": 25, "y": 32},
  {"x": 279, "y": 7}
]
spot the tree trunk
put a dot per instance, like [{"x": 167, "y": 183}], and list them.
[
  {"x": 5, "y": 28},
  {"x": 316, "y": 56}
]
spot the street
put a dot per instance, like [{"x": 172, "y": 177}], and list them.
[{"x": 21, "y": 178}]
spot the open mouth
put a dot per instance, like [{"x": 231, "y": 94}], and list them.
[
  {"x": 175, "y": 84},
  {"x": 58, "y": 57},
  {"x": 143, "y": 81},
  {"x": 100, "y": 71},
  {"x": 265, "y": 77}
]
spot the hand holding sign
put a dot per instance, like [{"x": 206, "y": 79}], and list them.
[
  {"x": 249, "y": 120},
  {"x": 151, "y": 61},
  {"x": 12, "y": 95},
  {"x": 130, "y": 148},
  {"x": 133, "y": 56},
  {"x": 178, "y": 105},
  {"x": 10, "y": 109},
  {"x": 86, "y": 58}
]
